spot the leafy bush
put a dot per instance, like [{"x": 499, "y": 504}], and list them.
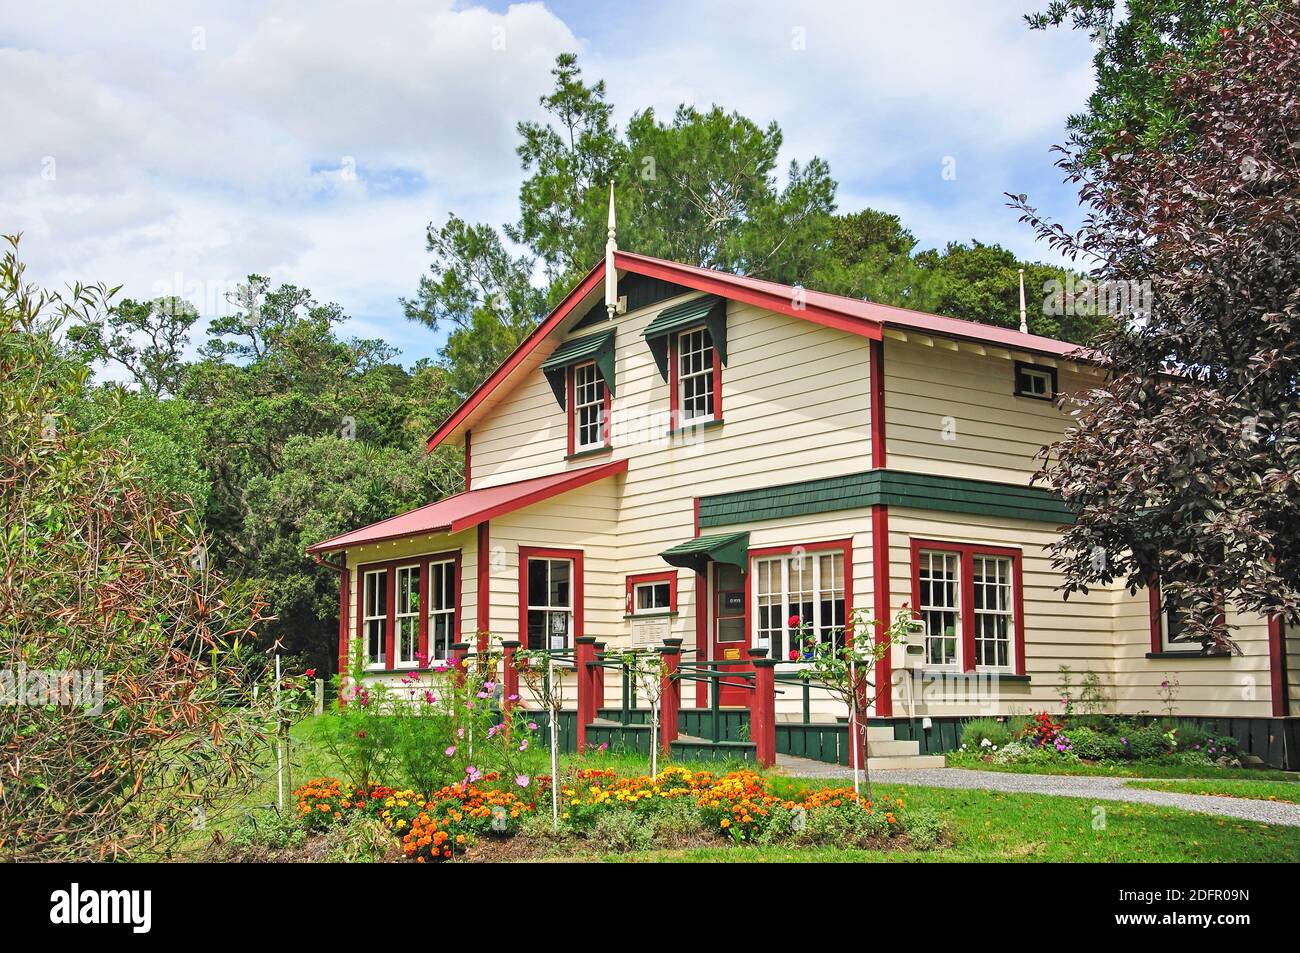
[
  {"x": 981, "y": 734},
  {"x": 927, "y": 829},
  {"x": 269, "y": 829},
  {"x": 1145, "y": 742},
  {"x": 1093, "y": 745},
  {"x": 1026, "y": 752},
  {"x": 150, "y": 719},
  {"x": 620, "y": 831},
  {"x": 363, "y": 840}
]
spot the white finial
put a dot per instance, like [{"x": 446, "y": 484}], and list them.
[
  {"x": 611, "y": 273},
  {"x": 1024, "y": 319}
]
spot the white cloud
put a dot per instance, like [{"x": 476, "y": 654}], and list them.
[{"x": 312, "y": 142}]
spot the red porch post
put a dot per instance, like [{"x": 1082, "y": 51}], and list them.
[
  {"x": 459, "y": 653},
  {"x": 509, "y": 676},
  {"x": 762, "y": 715},
  {"x": 670, "y": 696},
  {"x": 584, "y": 653},
  {"x": 345, "y": 583}
]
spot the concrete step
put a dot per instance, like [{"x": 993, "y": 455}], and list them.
[
  {"x": 892, "y": 749},
  {"x": 906, "y": 762}
]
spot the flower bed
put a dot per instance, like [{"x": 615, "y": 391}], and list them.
[{"x": 601, "y": 810}]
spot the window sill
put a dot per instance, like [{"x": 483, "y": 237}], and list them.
[
  {"x": 711, "y": 424},
  {"x": 668, "y": 614},
  {"x": 593, "y": 452},
  {"x": 1050, "y": 398},
  {"x": 1182, "y": 654},
  {"x": 978, "y": 673}
]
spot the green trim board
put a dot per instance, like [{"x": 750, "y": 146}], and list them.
[
  {"x": 889, "y": 487},
  {"x": 590, "y": 347},
  {"x": 709, "y": 310},
  {"x": 730, "y": 548}
]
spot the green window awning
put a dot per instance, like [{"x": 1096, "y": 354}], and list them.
[
  {"x": 730, "y": 548},
  {"x": 590, "y": 347},
  {"x": 709, "y": 310}
]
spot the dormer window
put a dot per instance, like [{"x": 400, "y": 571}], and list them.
[
  {"x": 1035, "y": 380},
  {"x": 696, "y": 378},
  {"x": 589, "y": 416}
]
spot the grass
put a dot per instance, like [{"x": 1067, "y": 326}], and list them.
[
  {"x": 993, "y": 826},
  {"x": 1288, "y": 791},
  {"x": 989, "y": 825},
  {"x": 1127, "y": 769}
]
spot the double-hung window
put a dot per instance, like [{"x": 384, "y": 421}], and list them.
[
  {"x": 805, "y": 587},
  {"x": 406, "y": 616},
  {"x": 695, "y": 378},
  {"x": 652, "y": 593},
  {"x": 1170, "y": 631},
  {"x": 374, "y": 617},
  {"x": 940, "y": 606},
  {"x": 442, "y": 609},
  {"x": 968, "y": 600},
  {"x": 589, "y": 421},
  {"x": 550, "y": 602}
]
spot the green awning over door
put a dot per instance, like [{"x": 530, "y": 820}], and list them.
[
  {"x": 590, "y": 347},
  {"x": 696, "y": 554},
  {"x": 709, "y": 310}
]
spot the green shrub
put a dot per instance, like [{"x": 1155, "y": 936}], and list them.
[
  {"x": 927, "y": 829},
  {"x": 1145, "y": 743},
  {"x": 539, "y": 826},
  {"x": 976, "y": 732},
  {"x": 1093, "y": 745},
  {"x": 623, "y": 830},
  {"x": 363, "y": 840},
  {"x": 269, "y": 829},
  {"x": 848, "y": 825},
  {"x": 678, "y": 817}
]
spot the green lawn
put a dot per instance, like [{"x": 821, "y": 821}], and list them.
[
  {"x": 992, "y": 826},
  {"x": 1127, "y": 769},
  {"x": 1288, "y": 791}
]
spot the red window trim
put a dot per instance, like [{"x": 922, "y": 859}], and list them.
[
  {"x": 643, "y": 578},
  {"x": 390, "y": 566},
  {"x": 844, "y": 546},
  {"x": 967, "y": 553},
  {"x": 546, "y": 552},
  {"x": 570, "y": 388},
  {"x": 674, "y": 381}
]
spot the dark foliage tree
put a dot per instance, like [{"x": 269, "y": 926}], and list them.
[{"x": 1184, "y": 463}]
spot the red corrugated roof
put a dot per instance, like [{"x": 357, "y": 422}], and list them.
[
  {"x": 465, "y": 510},
  {"x": 847, "y": 314}
]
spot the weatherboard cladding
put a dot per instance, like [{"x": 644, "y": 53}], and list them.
[{"x": 890, "y": 487}]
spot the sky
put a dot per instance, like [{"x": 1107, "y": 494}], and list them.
[{"x": 176, "y": 148}]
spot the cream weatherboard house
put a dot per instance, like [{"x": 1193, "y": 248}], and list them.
[{"x": 679, "y": 453}]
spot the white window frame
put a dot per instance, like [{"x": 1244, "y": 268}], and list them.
[
  {"x": 589, "y": 397},
  {"x": 406, "y": 619},
  {"x": 782, "y": 564},
  {"x": 437, "y": 569},
  {"x": 1038, "y": 374},
  {"x": 637, "y": 609},
  {"x": 367, "y": 618},
  {"x": 926, "y": 559},
  {"x": 1005, "y": 584},
  {"x": 687, "y": 350},
  {"x": 549, "y": 609}
]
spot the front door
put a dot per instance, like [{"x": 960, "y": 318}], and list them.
[{"x": 730, "y": 640}]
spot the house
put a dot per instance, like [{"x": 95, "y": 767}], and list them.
[{"x": 679, "y": 453}]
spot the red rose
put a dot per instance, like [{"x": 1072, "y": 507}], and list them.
[
  {"x": 794, "y": 655},
  {"x": 311, "y": 673},
  {"x": 793, "y": 621}
]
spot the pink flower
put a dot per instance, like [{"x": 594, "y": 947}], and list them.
[
  {"x": 523, "y": 745},
  {"x": 512, "y": 698},
  {"x": 521, "y": 780},
  {"x": 532, "y": 726},
  {"x": 451, "y": 750}
]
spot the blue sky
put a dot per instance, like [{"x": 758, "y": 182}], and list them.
[{"x": 176, "y": 149}]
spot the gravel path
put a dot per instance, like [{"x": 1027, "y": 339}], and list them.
[{"x": 1092, "y": 788}]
